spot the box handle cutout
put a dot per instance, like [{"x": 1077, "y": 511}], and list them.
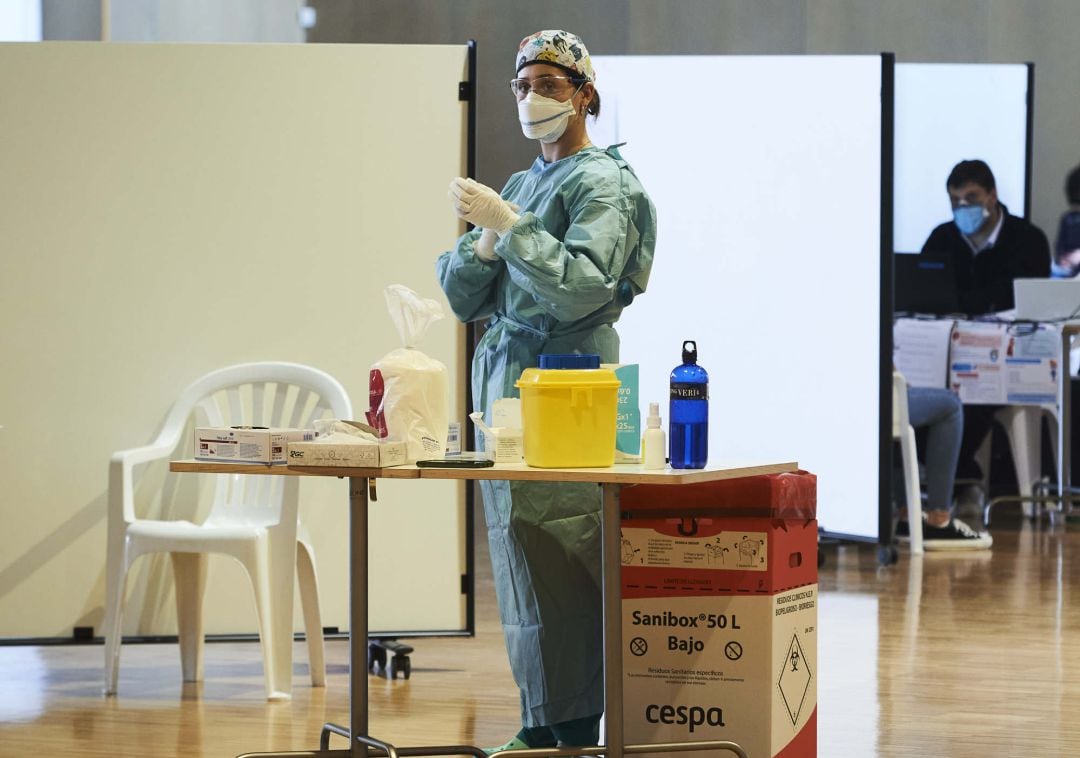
[{"x": 688, "y": 527}]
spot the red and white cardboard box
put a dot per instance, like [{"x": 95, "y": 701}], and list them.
[{"x": 720, "y": 616}]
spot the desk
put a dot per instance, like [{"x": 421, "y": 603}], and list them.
[
  {"x": 927, "y": 349},
  {"x": 611, "y": 480}
]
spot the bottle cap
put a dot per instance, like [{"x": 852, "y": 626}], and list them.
[{"x": 689, "y": 355}]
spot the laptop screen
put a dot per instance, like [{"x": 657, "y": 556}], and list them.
[
  {"x": 924, "y": 284},
  {"x": 1047, "y": 299}
]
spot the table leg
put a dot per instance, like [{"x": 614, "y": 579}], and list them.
[
  {"x": 1064, "y": 422},
  {"x": 612, "y": 599},
  {"x": 358, "y": 632},
  {"x": 358, "y": 614}
]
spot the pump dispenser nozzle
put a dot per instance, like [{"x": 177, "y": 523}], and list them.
[{"x": 653, "y": 421}]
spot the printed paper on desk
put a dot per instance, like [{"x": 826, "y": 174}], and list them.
[
  {"x": 1032, "y": 364},
  {"x": 977, "y": 362},
  {"x": 921, "y": 350}
]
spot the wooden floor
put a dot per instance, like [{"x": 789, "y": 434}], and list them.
[{"x": 972, "y": 654}]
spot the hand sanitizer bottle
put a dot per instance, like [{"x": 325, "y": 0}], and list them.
[{"x": 653, "y": 445}]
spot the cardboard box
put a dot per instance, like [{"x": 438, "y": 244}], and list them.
[
  {"x": 354, "y": 455},
  {"x": 246, "y": 444},
  {"x": 720, "y": 614},
  {"x": 453, "y": 438},
  {"x": 718, "y": 554},
  {"x": 502, "y": 444},
  {"x": 358, "y": 454},
  {"x": 784, "y": 496},
  {"x": 729, "y": 666}
]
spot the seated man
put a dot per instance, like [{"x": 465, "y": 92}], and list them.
[
  {"x": 988, "y": 248},
  {"x": 941, "y": 413}
]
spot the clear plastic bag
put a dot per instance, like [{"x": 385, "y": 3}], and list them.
[{"x": 409, "y": 392}]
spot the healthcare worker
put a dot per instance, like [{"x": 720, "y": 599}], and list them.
[{"x": 552, "y": 263}]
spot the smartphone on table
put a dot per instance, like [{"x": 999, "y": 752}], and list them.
[{"x": 462, "y": 460}]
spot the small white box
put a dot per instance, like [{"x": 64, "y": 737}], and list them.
[
  {"x": 504, "y": 445},
  {"x": 245, "y": 444},
  {"x": 453, "y": 438}
]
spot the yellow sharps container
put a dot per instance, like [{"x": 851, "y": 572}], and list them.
[{"x": 569, "y": 414}]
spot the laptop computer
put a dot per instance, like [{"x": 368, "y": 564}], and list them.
[
  {"x": 1047, "y": 299},
  {"x": 924, "y": 284}
]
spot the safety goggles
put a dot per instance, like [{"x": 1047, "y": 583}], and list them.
[{"x": 544, "y": 86}]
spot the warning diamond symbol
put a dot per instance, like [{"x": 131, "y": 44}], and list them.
[{"x": 794, "y": 680}]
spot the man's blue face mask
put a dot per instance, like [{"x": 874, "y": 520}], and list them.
[{"x": 969, "y": 218}]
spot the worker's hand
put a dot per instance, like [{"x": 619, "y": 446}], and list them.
[
  {"x": 480, "y": 205},
  {"x": 485, "y": 246},
  {"x": 1070, "y": 259}
]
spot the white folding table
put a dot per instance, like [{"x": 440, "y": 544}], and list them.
[{"x": 611, "y": 481}]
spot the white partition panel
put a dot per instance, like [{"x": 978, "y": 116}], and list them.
[
  {"x": 167, "y": 210},
  {"x": 20, "y": 21},
  {"x": 766, "y": 176},
  {"x": 946, "y": 113}
]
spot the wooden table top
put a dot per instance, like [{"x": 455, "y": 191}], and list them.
[{"x": 619, "y": 474}]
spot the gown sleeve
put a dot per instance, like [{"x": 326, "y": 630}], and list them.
[
  {"x": 572, "y": 277},
  {"x": 468, "y": 281}
]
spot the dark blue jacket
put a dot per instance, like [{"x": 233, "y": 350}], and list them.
[{"x": 984, "y": 282}]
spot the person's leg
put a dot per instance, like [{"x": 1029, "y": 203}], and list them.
[
  {"x": 941, "y": 412},
  {"x": 544, "y": 540},
  {"x": 978, "y": 419},
  {"x": 582, "y": 732}
]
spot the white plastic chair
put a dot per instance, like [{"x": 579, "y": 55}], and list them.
[
  {"x": 253, "y": 518},
  {"x": 1023, "y": 429},
  {"x": 904, "y": 433}
]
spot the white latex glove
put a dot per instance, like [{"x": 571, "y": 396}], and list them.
[
  {"x": 480, "y": 205},
  {"x": 485, "y": 246}
]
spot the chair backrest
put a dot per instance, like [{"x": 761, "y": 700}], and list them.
[
  {"x": 899, "y": 404},
  {"x": 269, "y": 394}
]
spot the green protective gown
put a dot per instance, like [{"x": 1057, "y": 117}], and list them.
[{"x": 581, "y": 251}]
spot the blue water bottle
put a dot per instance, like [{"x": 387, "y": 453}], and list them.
[{"x": 688, "y": 415}]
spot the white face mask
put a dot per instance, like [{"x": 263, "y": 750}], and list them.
[{"x": 543, "y": 118}]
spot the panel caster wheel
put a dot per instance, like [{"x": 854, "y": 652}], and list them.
[
  {"x": 887, "y": 555},
  {"x": 398, "y": 665},
  {"x": 381, "y": 660}
]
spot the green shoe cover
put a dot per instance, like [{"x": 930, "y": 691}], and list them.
[{"x": 514, "y": 744}]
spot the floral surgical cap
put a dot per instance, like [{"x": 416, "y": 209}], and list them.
[{"x": 558, "y": 48}]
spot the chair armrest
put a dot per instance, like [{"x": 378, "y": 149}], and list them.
[
  {"x": 156, "y": 450},
  {"x": 122, "y": 480}
]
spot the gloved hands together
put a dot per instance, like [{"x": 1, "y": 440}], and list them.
[{"x": 480, "y": 205}]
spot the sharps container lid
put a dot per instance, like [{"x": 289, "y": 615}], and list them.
[{"x": 569, "y": 360}]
